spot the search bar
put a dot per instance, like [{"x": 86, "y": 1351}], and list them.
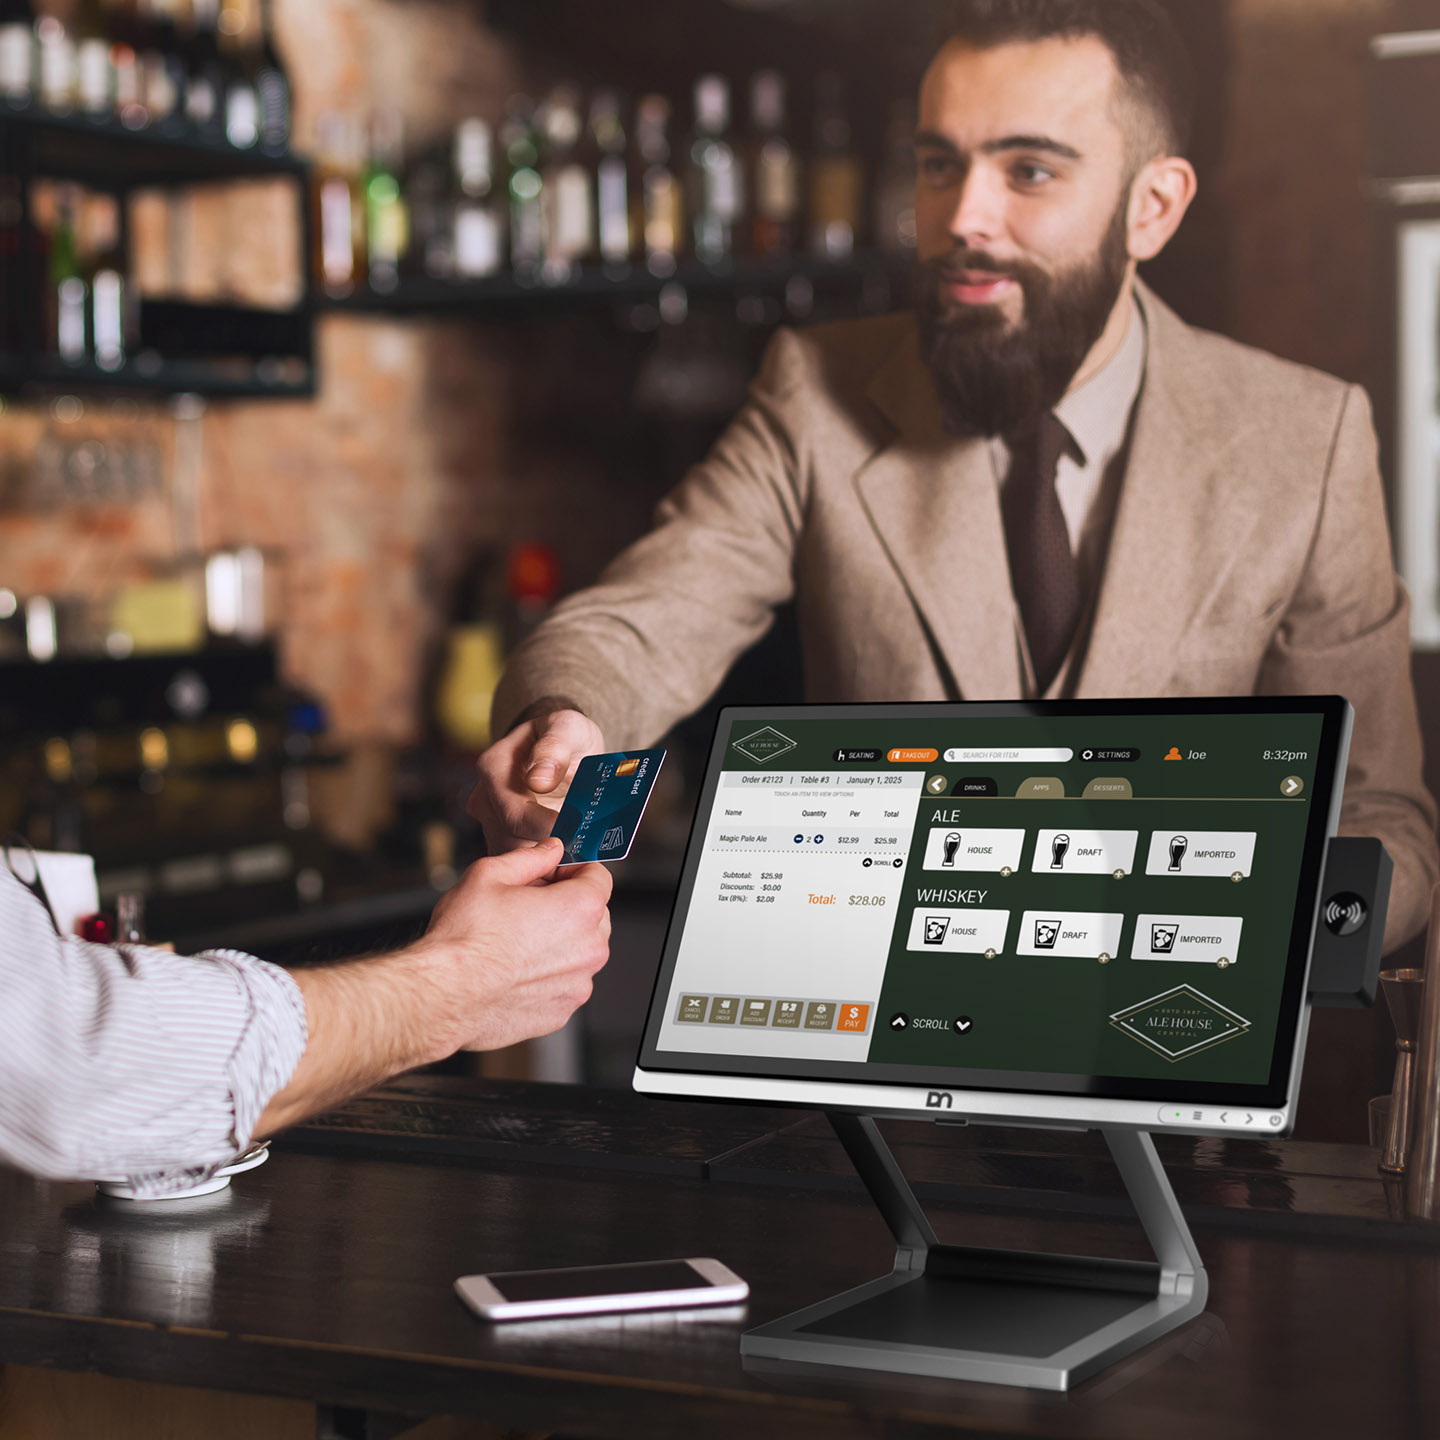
[{"x": 1017, "y": 755}]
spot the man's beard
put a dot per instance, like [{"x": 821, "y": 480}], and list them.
[{"x": 997, "y": 378}]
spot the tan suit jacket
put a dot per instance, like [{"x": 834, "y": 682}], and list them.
[{"x": 1249, "y": 556}]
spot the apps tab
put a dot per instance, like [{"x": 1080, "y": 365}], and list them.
[
  {"x": 1226, "y": 853},
  {"x": 1200, "y": 939},
  {"x": 960, "y": 847},
  {"x": 1041, "y": 787},
  {"x": 1084, "y": 934},
  {"x": 958, "y": 931},
  {"x": 1084, "y": 852}
]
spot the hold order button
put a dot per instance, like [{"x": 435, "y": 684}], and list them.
[{"x": 912, "y": 757}]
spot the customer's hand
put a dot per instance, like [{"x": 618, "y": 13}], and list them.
[
  {"x": 524, "y": 776},
  {"x": 518, "y": 954}
]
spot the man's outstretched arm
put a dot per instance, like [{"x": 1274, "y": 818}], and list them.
[{"x": 130, "y": 1061}]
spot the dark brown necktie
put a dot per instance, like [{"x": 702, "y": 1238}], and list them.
[{"x": 1043, "y": 572}]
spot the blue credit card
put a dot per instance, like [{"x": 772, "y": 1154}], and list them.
[{"x": 603, "y": 806}]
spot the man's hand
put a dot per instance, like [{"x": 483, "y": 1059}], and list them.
[
  {"x": 524, "y": 770},
  {"x": 504, "y": 959},
  {"x": 522, "y": 954}
]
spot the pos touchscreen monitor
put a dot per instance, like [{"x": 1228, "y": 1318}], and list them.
[{"x": 1071, "y": 912}]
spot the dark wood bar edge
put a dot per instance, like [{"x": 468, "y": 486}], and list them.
[{"x": 323, "y": 1280}]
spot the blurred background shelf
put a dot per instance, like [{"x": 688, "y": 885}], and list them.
[
  {"x": 871, "y": 280},
  {"x": 99, "y": 150}
]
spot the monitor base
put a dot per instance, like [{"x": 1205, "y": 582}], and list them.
[{"x": 1006, "y": 1317}]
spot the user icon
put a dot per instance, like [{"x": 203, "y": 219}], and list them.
[{"x": 1174, "y": 753}]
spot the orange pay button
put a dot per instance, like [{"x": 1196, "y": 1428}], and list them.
[
  {"x": 912, "y": 757},
  {"x": 854, "y": 1017}
]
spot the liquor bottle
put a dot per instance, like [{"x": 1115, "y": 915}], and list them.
[
  {"x": 93, "y": 84},
  {"x": 527, "y": 214},
  {"x": 162, "y": 67},
  {"x": 55, "y": 71},
  {"x": 65, "y": 294},
  {"x": 569, "y": 219},
  {"x": 774, "y": 169},
  {"x": 716, "y": 196},
  {"x": 204, "y": 79},
  {"x": 272, "y": 85},
  {"x": 835, "y": 176},
  {"x": 612, "y": 208},
  {"x": 240, "y": 57},
  {"x": 122, "y": 22},
  {"x": 130, "y": 919},
  {"x": 662, "y": 210},
  {"x": 104, "y": 262},
  {"x": 478, "y": 225},
  {"x": 895, "y": 184},
  {"x": 429, "y": 189},
  {"x": 17, "y": 51},
  {"x": 387, "y": 226},
  {"x": 339, "y": 222}
]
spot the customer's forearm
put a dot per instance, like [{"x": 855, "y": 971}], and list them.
[{"x": 368, "y": 1020}]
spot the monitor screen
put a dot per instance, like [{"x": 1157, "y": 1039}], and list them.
[{"x": 1111, "y": 900}]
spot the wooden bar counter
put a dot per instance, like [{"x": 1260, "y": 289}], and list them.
[{"x": 313, "y": 1298}]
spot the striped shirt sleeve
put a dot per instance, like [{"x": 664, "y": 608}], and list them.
[{"x": 129, "y": 1061}]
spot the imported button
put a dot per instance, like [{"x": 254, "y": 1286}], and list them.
[
  {"x": 692, "y": 1009},
  {"x": 724, "y": 1009},
  {"x": 912, "y": 756},
  {"x": 976, "y": 785},
  {"x": 1041, "y": 787},
  {"x": 854, "y": 1018},
  {"x": 820, "y": 1015},
  {"x": 1224, "y": 853},
  {"x": 788, "y": 1014},
  {"x": 755, "y": 1012}
]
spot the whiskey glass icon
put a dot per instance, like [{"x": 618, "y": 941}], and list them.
[
  {"x": 952, "y": 844},
  {"x": 1178, "y": 846},
  {"x": 1058, "y": 846}
]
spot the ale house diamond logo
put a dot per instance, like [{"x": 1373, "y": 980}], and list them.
[
  {"x": 1180, "y": 1023},
  {"x": 764, "y": 745}
]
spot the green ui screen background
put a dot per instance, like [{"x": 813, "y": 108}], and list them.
[{"x": 1055, "y": 1013}]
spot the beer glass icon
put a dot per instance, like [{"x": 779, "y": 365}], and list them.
[
  {"x": 1058, "y": 846},
  {"x": 1178, "y": 844},
  {"x": 952, "y": 844}
]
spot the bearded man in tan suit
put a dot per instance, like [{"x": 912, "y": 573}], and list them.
[{"x": 1042, "y": 483}]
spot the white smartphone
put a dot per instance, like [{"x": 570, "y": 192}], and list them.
[{"x": 600, "y": 1289}]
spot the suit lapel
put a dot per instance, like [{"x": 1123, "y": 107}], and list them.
[
  {"x": 1182, "y": 509},
  {"x": 933, "y": 502}
]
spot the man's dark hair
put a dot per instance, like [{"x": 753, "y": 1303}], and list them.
[{"x": 1149, "y": 54}]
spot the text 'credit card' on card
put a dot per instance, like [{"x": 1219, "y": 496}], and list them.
[{"x": 602, "y": 809}]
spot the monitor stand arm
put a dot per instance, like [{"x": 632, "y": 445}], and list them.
[{"x": 1005, "y": 1316}]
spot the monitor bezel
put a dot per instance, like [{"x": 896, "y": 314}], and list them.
[{"x": 1099, "y": 1099}]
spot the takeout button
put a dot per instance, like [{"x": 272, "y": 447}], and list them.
[{"x": 912, "y": 757}]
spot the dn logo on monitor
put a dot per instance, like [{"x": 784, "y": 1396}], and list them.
[{"x": 939, "y": 1100}]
